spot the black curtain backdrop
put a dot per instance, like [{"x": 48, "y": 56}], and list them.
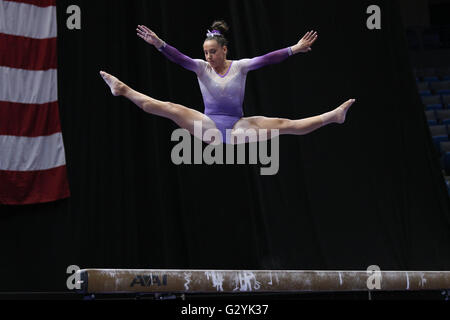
[{"x": 345, "y": 197}]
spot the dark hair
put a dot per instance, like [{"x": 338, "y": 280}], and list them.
[{"x": 221, "y": 26}]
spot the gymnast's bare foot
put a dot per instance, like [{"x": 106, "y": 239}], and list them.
[
  {"x": 117, "y": 87},
  {"x": 341, "y": 111}
]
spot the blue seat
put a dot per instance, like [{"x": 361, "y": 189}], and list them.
[
  {"x": 445, "y": 151},
  {"x": 437, "y": 142},
  {"x": 440, "y": 87},
  {"x": 422, "y": 86},
  {"x": 429, "y": 107},
  {"x": 431, "y": 79},
  {"x": 439, "y": 130},
  {"x": 446, "y": 165},
  {"x": 433, "y": 102},
  {"x": 446, "y": 100},
  {"x": 443, "y": 116},
  {"x": 431, "y": 117},
  {"x": 444, "y": 73}
]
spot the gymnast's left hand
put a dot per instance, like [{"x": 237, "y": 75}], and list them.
[{"x": 304, "y": 45}]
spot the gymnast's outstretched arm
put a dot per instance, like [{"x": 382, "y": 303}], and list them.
[
  {"x": 304, "y": 45},
  {"x": 170, "y": 52}
]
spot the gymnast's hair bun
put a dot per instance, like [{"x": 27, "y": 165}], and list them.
[{"x": 221, "y": 26}]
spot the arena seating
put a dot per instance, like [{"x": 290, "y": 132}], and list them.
[{"x": 433, "y": 85}]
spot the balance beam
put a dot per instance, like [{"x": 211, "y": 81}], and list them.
[{"x": 99, "y": 281}]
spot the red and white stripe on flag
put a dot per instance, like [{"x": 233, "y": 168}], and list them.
[{"x": 32, "y": 155}]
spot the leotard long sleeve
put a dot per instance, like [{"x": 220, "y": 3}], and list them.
[{"x": 223, "y": 96}]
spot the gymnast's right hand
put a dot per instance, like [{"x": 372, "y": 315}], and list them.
[{"x": 149, "y": 36}]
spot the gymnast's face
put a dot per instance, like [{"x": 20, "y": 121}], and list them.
[{"x": 215, "y": 54}]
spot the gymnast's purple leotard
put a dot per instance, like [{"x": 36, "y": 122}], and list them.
[{"x": 223, "y": 95}]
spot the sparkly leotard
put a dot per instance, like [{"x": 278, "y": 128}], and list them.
[{"x": 223, "y": 96}]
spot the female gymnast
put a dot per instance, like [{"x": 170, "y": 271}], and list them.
[{"x": 222, "y": 83}]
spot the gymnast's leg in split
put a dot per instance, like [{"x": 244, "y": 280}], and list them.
[
  {"x": 184, "y": 117},
  {"x": 287, "y": 126}
]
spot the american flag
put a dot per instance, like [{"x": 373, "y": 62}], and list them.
[{"x": 32, "y": 155}]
